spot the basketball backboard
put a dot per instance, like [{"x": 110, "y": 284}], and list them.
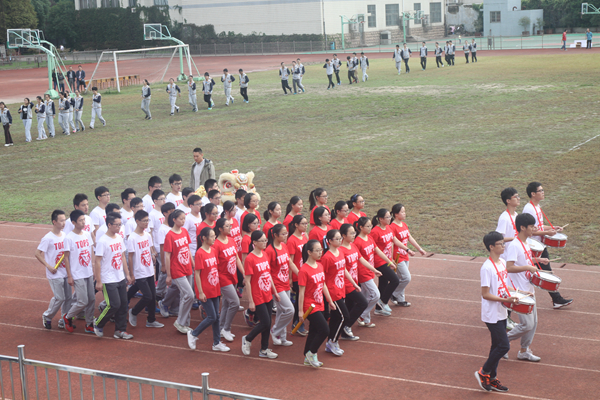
[
  {"x": 22, "y": 38},
  {"x": 155, "y": 32}
]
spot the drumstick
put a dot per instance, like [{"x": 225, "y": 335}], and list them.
[
  {"x": 554, "y": 259},
  {"x": 59, "y": 261},
  {"x": 429, "y": 255},
  {"x": 306, "y": 314},
  {"x": 564, "y": 226}
]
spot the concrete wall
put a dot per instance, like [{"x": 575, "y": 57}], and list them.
[
  {"x": 509, "y": 19},
  {"x": 465, "y": 16}
]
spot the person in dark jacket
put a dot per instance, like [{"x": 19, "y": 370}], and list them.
[{"x": 6, "y": 119}]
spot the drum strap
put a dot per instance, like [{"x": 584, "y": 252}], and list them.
[
  {"x": 513, "y": 222},
  {"x": 541, "y": 220},
  {"x": 527, "y": 253},
  {"x": 502, "y": 280}
]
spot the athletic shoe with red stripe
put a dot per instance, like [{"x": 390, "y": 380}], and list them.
[
  {"x": 497, "y": 386},
  {"x": 483, "y": 380}
]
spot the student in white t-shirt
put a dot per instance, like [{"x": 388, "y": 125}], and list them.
[
  {"x": 494, "y": 291},
  {"x": 158, "y": 239},
  {"x": 185, "y": 193},
  {"x": 519, "y": 264},
  {"x": 193, "y": 220},
  {"x": 506, "y": 222},
  {"x": 126, "y": 196},
  {"x": 239, "y": 204},
  {"x": 79, "y": 246},
  {"x": 156, "y": 216},
  {"x": 154, "y": 183},
  {"x": 209, "y": 184},
  {"x": 98, "y": 214},
  {"x": 112, "y": 276},
  {"x": 111, "y": 207},
  {"x": 214, "y": 196},
  {"x": 141, "y": 259},
  {"x": 174, "y": 195},
  {"x": 80, "y": 202},
  {"x": 49, "y": 253},
  {"x": 136, "y": 205}
]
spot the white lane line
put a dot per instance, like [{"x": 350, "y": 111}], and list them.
[
  {"x": 581, "y": 144},
  {"x": 22, "y": 276},
  {"x": 20, "y": 240},
  {"x": 27, "y": 227},
  {"x": 419, "y": 259},
  {"x": 9, "y": 255}
]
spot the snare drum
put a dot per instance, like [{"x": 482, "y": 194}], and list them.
[
  {"x": 537, "y": 248},
  {"x": 558, "y": 240},
  {"x": 546, "y": 281},
  {"x": 524, "y": 306}
]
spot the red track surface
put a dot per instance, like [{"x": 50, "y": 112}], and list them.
[
  {"x": 429, "y": 350},
  {"x": 17, "y": 84}
]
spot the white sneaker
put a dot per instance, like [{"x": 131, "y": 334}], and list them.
[
  {"x": 180, "y": 328},
  {"x": 510, "y": 324},
  {"x": 245, "y": 346},
  {"x": 164, "y": 311},
  {"x": 505, "y": 356},
  {"x": 528, "y": 356},
  {"x": 382, "y": 312},
  {"x": 154, "y": 324},
  {"x": 132, "y": 318},
  {"x": 220, "y": 347},
  {"x": 286, "y": 343},
  {"x": 241, "y": 308},
  {"x": 227, "y": 335},
  {"x": 267, "y": 354},
  {"x": 192, "y": 340},
  {"x": 330, "y": 347},
  {"x": 312, "y": 360},
  {"x": 276, "y": 340}
]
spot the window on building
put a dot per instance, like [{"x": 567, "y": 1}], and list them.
[
  {"x": 417, "y": 8},
  {"x": 372, "y": 18},
  {"x": 494, "y": 16},
  {"x": 83, "y": 4},
  {"x": 435, "y": 12},
  {"x": 110, "y": 3},
  {"x": 161, "y": 2},
  {"x": 132, "y": 3},
  {"x": 392, "y": 12}
]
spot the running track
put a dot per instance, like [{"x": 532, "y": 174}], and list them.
[{"x": 429, "y": 350}]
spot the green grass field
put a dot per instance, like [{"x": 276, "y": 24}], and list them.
[{"x": 444, "y": 142}]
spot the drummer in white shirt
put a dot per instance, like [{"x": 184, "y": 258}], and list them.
[{"x": 535, "y": 191}]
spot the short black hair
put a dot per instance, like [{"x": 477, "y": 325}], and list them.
[
  {"x": 55, "y": 214},
  {"x": 211, "y": 194},
  {"x": 524, "y": 220},
  {"x": 240, "y": 193},
  {"x": 174, "y": 178},
  {"x": 79, "y": 197},
  {"x": 100, "y": 190},
  {"x": 135, "y": 201},
  {"x": 111, "y": 217},
  {"x": 198, "y": 149},
  {"x": 166, "y": 208},
  {"x": 507, "y": 194},
  {"x": 192, "y": 199},
  {"x": 156, "y": 194},
  {"x": 111, "y": 207},
  {"x": 186, "y": 191},
  {"x": 153, "y": 181},
  {"x": 209, "y": 183},
  {"x": 532, "y": 188},
  {"x": 140, "y": 215},
  {"x": 75, "y": 215},
  {"x": 125, "y": 194},
  {"x": 491, "y": 238}
]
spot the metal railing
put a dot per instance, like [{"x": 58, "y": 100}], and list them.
[{"x": 19, "y": 387}]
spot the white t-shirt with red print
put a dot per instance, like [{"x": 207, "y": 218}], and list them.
[
  {"x": 53, "y": 247},
  {"x": 493, "y": 311},
  {"x": 111, "y": 251},
  {"x": 139, "y": 246},
  {"x": 80, "y": 248}
]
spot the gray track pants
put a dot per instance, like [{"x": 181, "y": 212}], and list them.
[
  {"x": 285, "y": 313},
  {"x": 525, "y": 329},
  {"x": 371, "y": 292},
  {"x": 84, "y": 299},
  {"x": 146, "y": 107},
  {"x": 404, "y": 276},
  {"x": 61, "y": 299},
  {"x": 230, "y": 303},
  {"x": 186, "y": 299}
]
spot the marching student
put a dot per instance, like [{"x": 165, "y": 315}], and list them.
[
  {"x": 355, "y": 204},
  {"x": 111, "y": 207},
  {"x": 405, "y": 53},
  {"x": 284, "y": 74},
  {"x": 302, "y": 71},
  {"x": 473, "y": 51},
  {"x": 519, "y": 265},
  {"x": 317, "y": 198},
  {"x": 71, "y": 78},
  {"x": 329, "y": 69},
  {"x": 49, "y": 252},
  {"x": 161, "y": 234},
  {"x": 355, "y": 62},
  {"x": 293, "y": 208},
  {"x": 240, "y": 195},
  {"x": 192, "y": 99},
  {"x": 446, "y": 50},
  {"x": 227, "y": 78},
  {"x": 146, "y": 97},
  {"x": 466, "y": 49},
  {"x": 214, "y": 197},
  {"x": 271, "y": 215},
  {"x": 339, "y": 214},
  {"x": 312, "y": 291},
  {"x": 174, "y": 195},
  {"x": 78, "y": 112},
  {"x": 450, "y": 53},
  {"x": 261, "y": 291},
  {"x": 423, "y": 54},
  {"x": 397, "y": 56},
  {"x": 337, "y": 63},
  {"x": 81, "y": 203},
  {"x": 78, "y": 263},
  {"x": 179, "y": 266},
  {"x": 26, "y": 111},
  {"x": 185, "y": 194},
  {"x": 71, "y": 111},
  {"x": 136, "y": 204},
  {"x": 126, "y": 196},
  {"x": 296, "y": 76},
  {"x": 351, "y": 68},
  {"x": 111, "y": 273},
  {"x": 250, "y": 223},
  {"x": 40, "y": 111},
  {"x": 402, "y": 234},
  {"x": 50, "y": 112},
  {"x": 63, "y": 113},
  {"x": 80, "y": 77},
  {"x": 295, "y": 243},
  {"x": 235, "y": 232},
  {"x": 438, "y": 55},
  {"x": 193, "y": 220},
  {"x": 210, "y": 214},
  {"x": 506, "y": 222},
  {"x": 157, "y": 218},
  {"x": 251, "y": 204},
  {"x": 493, "y": 292},
  {"x": 6, "y": 119},
  {"x": 96, "y": 108},
  {"x": 244, "y": 85},
  {"x": 154, "y": 183},
  {"x": 364, "y": 66},
  {"x": 536, "y": 194},
  {"x": 207, "y": 88},
  {"x": 229, "y": 263},
  {"x": 174, "y": 92},
  {"x": 209, "y": 185},
  {"x": 98, "y": 214},
  {"x": 207, "y": 287},
  {"x": 319, "y": 231},
  {"x": 280, "y": 263},
  {"x": 142, "y": 255}
]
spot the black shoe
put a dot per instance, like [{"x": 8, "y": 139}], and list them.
[
  {"x": 562, "y": 302},
  {"x": 497, "y": 386},
  {"x": 483, "y": 381}
]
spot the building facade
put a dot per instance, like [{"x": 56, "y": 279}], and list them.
[{"x": 502, "y": 18}]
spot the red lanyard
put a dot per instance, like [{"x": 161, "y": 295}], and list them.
[
  {"x": 502, "y": 280},
  {"x": 513, "y": 223},
  {"x": 527, "y": 253},
  {"x": 541, "y": 220}
]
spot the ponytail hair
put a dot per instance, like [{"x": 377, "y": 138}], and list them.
[
  {"x": 270, "y": 208},
  {"x": 345, "y": 228},
  {"x": 204, "y": 233},
  {"x": 293, "y": 201},
  {"x": 219, "y": 225},
  {"x": 396, "y": 208},
  {"x": 360, "y": 223},
  {"x": 274, "y": 231},
  {"x": 173, "y": 216},
  {"x": 256, "y": 235},
  {"x": 248, "y": 199},
  {"x": 248, "y": 219},
  {"x": 228, "y": 207},
  {"x": 380, "y": 215},
  {"x": 337, "y": 208},
  {"x": 317, "y": 214},
  {"x": 327, "y": 240},
  {"x": 297, "y": 220},
  {"x": 147, "y": 83},
  {"x": 352, "y": 200},
  {"x": 312, "y": 198},
  {"x": 207, "y": 209},
  {"x": 309, "y": 246}
]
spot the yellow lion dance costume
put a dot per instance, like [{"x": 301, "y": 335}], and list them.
[{"x": 230, "y": 182}]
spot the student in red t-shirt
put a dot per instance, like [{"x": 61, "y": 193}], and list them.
[
  {"x": 319, "y": 231},
  {"x": 311, "y": 280},
  {"x": 279, "y": 260},
  {"x": 317, "y": 198},
  {"x": 355, "y": 204},
  {"x": 293, "y": 208},
  {"x": 401, "y": 256},
  {"x": 208, "y": 290},
  {"x": 251, "y": 204},
  {"x": 261, "y": 291},
  {"x": 295, "y": 243},
  {"x": 179, "y": 265},
  {"x": 210, "y": 214},
  {"x": 229, "y": 263},
  {"x": 236, "y": 230},
  {"x": 339, "y": 214},
  {"x": 271, "y": 215},
  {"x": 250, "y": 223}
]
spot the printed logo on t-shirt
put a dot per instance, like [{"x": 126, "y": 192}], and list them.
[
  {"x": 283, "y": 275},
  {"x": 213, "y": 277},
  {"x": 58, "y": 256},
  {"x": 184, "y": 256},
  {"x": 264, "y": 282},
  {"x": 87, "y": 228},
  {"x": 318, "y": 294},
  {"x": 339, "y": 277},
  {"x": 231, "y": 265},
  {"x": 117, "y": 261},
  {"x": 85, "y": 258},
  {"x": 146, "y": 258}
]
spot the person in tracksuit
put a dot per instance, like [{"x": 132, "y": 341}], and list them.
[
  {"x": 80, "y": 77},
  {"x": 50, "y": 112},
  {"x": 466, "y": 49},
  {"x": 397, "y": 56},
  {"x": 71, "y": 111},
  {"x": 405, "y": 53},
  {"x": 423, "y": 53},
  {"x": 450, "y": 52},
  {"x": 227, "y": 79},
  {"x": 329, "y": 68},
  {"x": 337, "y": 63},
  {"x": 446, "y": 56},
  {"x": 356, "y": 62},
  {"x": 473, "y": 51},
  {"x": 78, "y": 110},
  {"x": 96, "y": 108},
  {"x": 284, "y": 73},
  {"x": 71, "y": 78},
  {"x": 63, "y": 113},
  {"x": 146, "y": 95},
  {"x": 438, "y": 55},
  {"x": 192, "y": 99},
  {"x": 302, "y": 71},
  {"x": 6, "y": 119},
  {"x": 207, "y": 88},
  {"x": 244, "y": 85},
  {"x": 40, "y": 111},
  {"x": 26, "y": 111},
  {"x": 296, "y": 74},
  {"x": 173, "y": 91},
  {"x": 364, "y": 66},
  {"x": 350, "y": 66}
]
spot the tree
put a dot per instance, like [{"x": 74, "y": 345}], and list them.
[
  {"x": 42, "y": 8},
  {"x": 478, "y": 25},
  {"x": 16, "y": 14},
  {"x": 525, "y": 22},
  {"x": 60, "y": 24}
]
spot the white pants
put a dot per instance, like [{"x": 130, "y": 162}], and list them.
[
  {"x": 525, "y": 329},
  {"x": 228, "y": 95},
  {"x": 364, "y": 75},
  {"x": 71, "y": 122},
  {"x": 84, "y": 299},
  {"x": 192, "y": 99},
  {"x": 41, "y": 130},
  {"x": 63, "y": 122},
  {"x": 78, "y": 122},
  {"x": 146, "y": 107},
  {"x": 61, "y": 299},
  {"x": 404, "y": 276},
  {"x": 371, "y": 292},
  {"x": 50, "y": 124},
  {"x": 97, "y": 112},
  {"x": 27, "y": 125},
  {"x": 285, "y": 314},
  {"x": 172, "y": 99},
  {"x": 399, "y": 66}
]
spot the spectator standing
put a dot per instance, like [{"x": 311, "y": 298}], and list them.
[{"x": 202, "y": 169}]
